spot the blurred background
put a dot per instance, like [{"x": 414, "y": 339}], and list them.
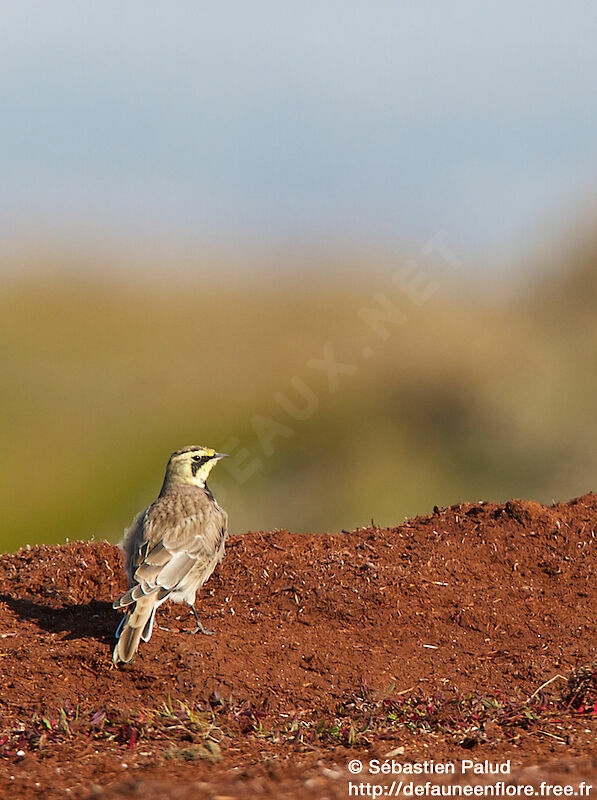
[{"x": 352, "y": 244}]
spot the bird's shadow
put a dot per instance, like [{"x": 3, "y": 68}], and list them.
[{"x": 93, "y": 620}]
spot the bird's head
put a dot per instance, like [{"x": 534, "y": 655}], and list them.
[{"x": 191, "y": 465}]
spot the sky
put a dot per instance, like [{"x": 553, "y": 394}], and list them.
[{"x": 314, "y": 121}]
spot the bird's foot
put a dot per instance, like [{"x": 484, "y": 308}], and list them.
[{"x": 202, "y": 629}]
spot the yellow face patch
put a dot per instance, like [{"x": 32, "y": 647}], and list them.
[{"x": 191, "y": 465}]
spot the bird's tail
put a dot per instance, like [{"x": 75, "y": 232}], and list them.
[{"x": 136, "y": 625}]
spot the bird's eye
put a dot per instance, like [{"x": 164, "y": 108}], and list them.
[{"x": 197, "y": 462}]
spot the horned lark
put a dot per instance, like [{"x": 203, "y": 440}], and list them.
[{"x": 171, "y": 548}]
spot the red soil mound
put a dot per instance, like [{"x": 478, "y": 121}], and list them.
[{"x": 486, "y": 600}]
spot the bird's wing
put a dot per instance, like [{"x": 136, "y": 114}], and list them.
[
  {"x": 130, "y": 543},
  {"x": 179, "y": 534}
]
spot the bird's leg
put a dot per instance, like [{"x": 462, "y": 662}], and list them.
[{"x": 200, "y": 627}]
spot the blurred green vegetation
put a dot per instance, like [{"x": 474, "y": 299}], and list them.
[{"x": 471, "y": 398}]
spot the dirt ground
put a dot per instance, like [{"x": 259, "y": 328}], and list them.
[{"x": 468, "y": 634}]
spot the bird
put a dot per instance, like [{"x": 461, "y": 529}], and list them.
[{"x": 172, "y": 547}]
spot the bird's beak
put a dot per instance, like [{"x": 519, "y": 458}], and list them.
[{"x": 218, "y": 456}]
